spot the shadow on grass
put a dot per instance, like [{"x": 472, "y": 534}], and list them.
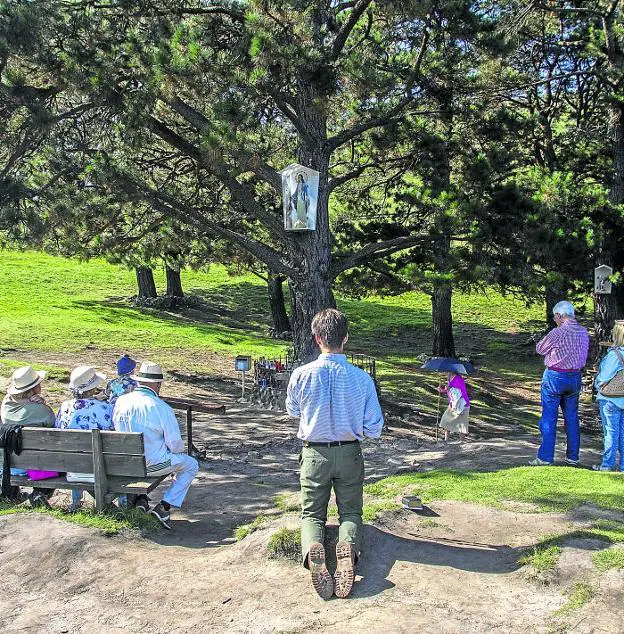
[
  {"x": 222, "y": 329},
  {"x": 376, "y": 329}
]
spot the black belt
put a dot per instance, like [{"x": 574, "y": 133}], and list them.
[{"x": 334, "y": 443}]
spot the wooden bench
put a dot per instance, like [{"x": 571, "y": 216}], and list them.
[{"x": 117, "y": 460}]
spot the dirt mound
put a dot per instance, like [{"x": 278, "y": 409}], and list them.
[{"x": 455, "y": 571}]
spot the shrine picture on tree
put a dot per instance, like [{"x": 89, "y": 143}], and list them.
[{"x": 300, "y": 187}]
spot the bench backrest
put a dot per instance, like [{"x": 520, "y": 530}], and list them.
[{"x": 72, "y": 450}]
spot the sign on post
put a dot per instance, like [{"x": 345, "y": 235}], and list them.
[
  {"x": 300, "y": 194},
  {"x": 242, "y": 364},
  {"x": 602, "y": 283}
]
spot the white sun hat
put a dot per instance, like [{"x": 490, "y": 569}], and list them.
[
  {"x": 84, "y": 378},
  {"x": 24, "y": 379},
  {"x": 149, "y": 373}
]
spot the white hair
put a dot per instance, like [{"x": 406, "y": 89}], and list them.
[{"x": 565, "y": 309}]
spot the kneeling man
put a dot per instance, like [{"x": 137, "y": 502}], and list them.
[
  {"x": 143, "y": 411},
  {"x": 337, "y": 406}
]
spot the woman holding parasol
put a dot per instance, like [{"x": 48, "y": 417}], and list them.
[{"x": 456, "y": 417}]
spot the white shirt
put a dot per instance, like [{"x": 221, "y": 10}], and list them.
[
  {"x": 333, "y": 400},
  {"x": 143, "y": 411}
]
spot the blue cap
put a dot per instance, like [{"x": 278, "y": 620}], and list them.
[{"x": 125, "y": 365}]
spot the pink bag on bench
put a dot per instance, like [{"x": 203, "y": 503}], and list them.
[{"x": 33, "y": 474}]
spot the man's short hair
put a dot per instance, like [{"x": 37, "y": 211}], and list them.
[
  {"x": 331, "y": 327},
  {"x": 565, "y": 309}
]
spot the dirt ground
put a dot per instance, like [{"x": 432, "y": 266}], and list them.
[{"x": 459, "y": 573}]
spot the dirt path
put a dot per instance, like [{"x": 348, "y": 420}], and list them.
[
  {"x": 461, "y": 576},
  {"x": 458, "y": 573}
]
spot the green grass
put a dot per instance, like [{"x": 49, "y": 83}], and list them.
[
  {"x": 609, "y": 558},
  {"x": 580, "y": 594},
  {"x": 372, "y": 510},
  {"x": 285, "y": 544},
  {"x": 242, "y": 531},
  {"x": 550, "y": 489},
  {"x": 287, "y": 502},
  {"x": 108, "y": 523},
  {"x": 542, "y": 558},
  {"x": 430, "y": 523},
  {"x": 545, "y": 554},
  {"x": 56, "y": 304},
  {"x": 53, "y": 303}
]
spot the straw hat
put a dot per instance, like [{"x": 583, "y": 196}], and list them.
[
  {"x": 84, "y": 378},
  {"x": 24, "y": 379},
  {"x": 149, "y": 373}
]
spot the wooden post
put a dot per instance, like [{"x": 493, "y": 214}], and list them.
[
  {"x": 189, "y": 430},
  {"x": 99, "y": 469}
]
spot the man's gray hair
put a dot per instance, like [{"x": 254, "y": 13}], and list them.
[{"x": 565, "y": 309}]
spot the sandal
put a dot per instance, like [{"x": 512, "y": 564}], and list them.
[
  {"x": 321, "y": 579},
  {"x": 345, "y": 571}
]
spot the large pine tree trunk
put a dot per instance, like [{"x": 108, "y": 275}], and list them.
[
  {"x": 174, "y": 282},
  {"x": 281, "y": 323},
  {"x": 604, "y": 319},
  {"x": 605, "y": 305},
  {"x": 552, "y": 298},
  {"x": 308, "y": 297},
  {"x": 443, "y": 343},
  {"x": 311, "y": 287},
  {"x": 145, "y": 282},
  {"x": 442, "y": 322},
  {"x": 605, "y": 309}
]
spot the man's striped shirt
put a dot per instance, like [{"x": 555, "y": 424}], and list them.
[{"x": 334, "y": 400}]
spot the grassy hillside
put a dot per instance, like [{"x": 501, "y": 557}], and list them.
[{"x": 52, "y": 304}]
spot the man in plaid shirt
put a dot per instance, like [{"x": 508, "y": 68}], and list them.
[{"x": 565, "y": 353}]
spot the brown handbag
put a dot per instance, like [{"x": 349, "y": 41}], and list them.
[{"x": 615, "y": 386}]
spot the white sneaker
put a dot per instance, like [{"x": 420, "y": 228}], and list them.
[{"x": 540, "y": 463}]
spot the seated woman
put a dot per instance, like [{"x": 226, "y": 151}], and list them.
[
  {"x": 124, "y": 382},
  {"x": 24, "y": 405},
  {"x": 85, "y": 410}
]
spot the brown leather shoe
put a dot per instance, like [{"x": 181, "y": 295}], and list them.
[
  {"x": 345, "y": 569},
  {"x": 321, "y": 579}
]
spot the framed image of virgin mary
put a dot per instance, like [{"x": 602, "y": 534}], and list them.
[{"x": 300, "y": 194}]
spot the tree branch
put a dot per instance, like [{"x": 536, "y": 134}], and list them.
[
  {"x": 289, "y": 112},
  {"x": 337, "y": 181},
  {"x": 241, "y": 192},
  {"x": 382, "y": 120},
  {"x": 343, "y": 35},
  {"x": 376, "y": 250},
  {"x": 250, "y": 161},
  {"x": 174, "y": 208}
]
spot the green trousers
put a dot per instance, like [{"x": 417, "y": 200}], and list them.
[{"x": 340, "y": 467}]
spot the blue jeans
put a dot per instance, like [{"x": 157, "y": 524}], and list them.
[
  {"x": 613, "y": 429},
  {"x": 560, "y": 389}
]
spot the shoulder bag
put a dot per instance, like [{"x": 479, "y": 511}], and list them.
[{"x": 615, "y": 386}]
